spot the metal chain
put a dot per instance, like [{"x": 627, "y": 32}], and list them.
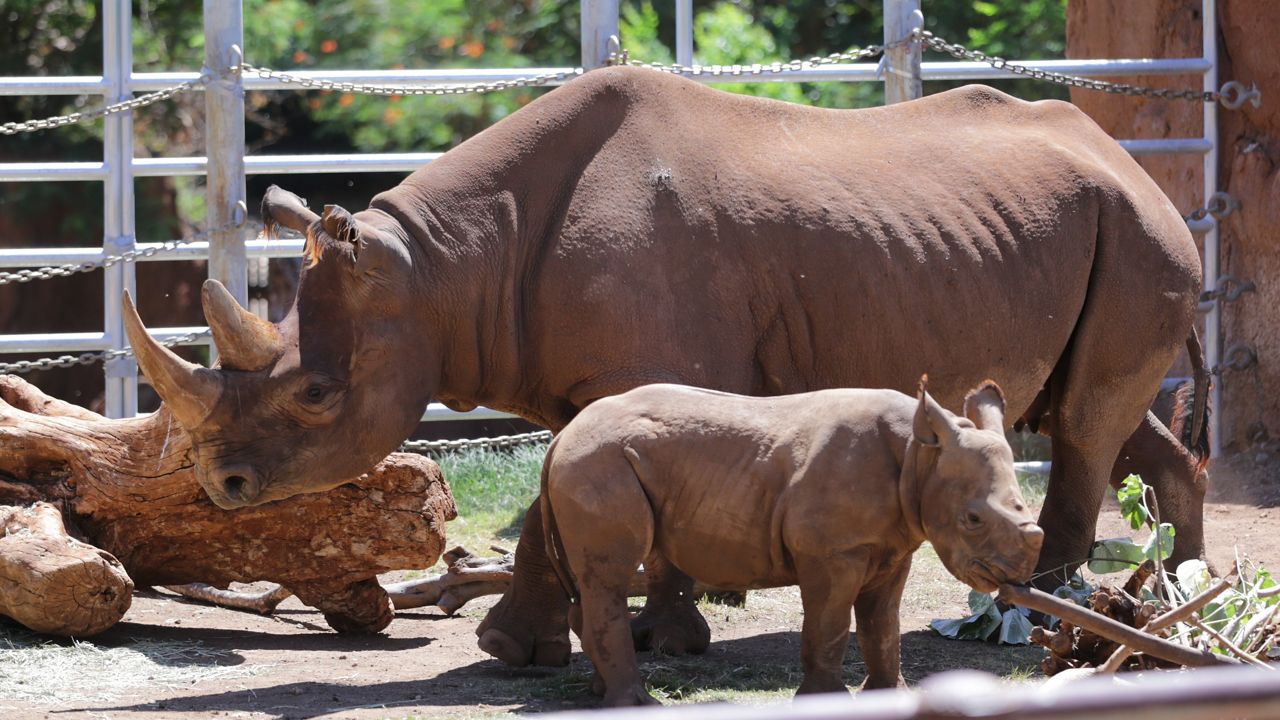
[
  {"x": 427, "y": 447},
  {"x": 622, "y": 57},
  {"x": 960, "y": 52},
  {"x": 13, "y": 128},
  {"x": 401, "y": 90},
  {"x": 53, "y": 271},
  {"x": 26, "y": 366}
]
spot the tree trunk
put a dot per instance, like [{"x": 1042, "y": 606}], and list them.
[{"x": 128, "y": 487}]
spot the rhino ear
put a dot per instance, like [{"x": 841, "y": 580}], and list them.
[
  {"x": 340, "y": 226},
  {"x": 984, "y": 405},
  {"x": 932, "y": 426}
]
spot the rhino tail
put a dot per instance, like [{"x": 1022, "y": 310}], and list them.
[
  {"x": 1191, "y": 415},
  {"x": 551, "y": 533}
]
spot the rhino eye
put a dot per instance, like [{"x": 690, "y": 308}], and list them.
[
  {"x": 972, "y": 519},
  {"x": 315, "y": 393}
]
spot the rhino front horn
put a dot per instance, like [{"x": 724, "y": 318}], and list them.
[
  {"x": 190, "y": 391},
  {"x": 245, "y": 341}
]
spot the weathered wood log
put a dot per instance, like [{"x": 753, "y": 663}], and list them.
[
  {"x": 128, "y": 487},
  {"x": 51, "y": 582}
]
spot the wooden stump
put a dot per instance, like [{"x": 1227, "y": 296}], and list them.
[{"x": 127, "y": 487}]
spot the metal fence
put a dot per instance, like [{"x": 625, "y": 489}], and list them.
[{"x": 224, "y": 81}]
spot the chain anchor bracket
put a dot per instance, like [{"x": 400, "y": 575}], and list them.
[{"x": 1233, "y": 95}]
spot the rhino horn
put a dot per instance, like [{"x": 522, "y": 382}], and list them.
[
  {"x": 190, "y": 391},
  {"x": 281, "y": 207},
  {"x": 245, "y": 341}
]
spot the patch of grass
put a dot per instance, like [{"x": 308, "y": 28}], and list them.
[
  {"x": 35, "y": 668},
  {"x": 1034, "y": 485},
  {"x": 493, "y": 489}
]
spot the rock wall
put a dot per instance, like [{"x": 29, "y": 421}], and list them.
[{"x": 1249, "y": 151}]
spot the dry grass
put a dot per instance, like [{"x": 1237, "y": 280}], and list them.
[{"x": 34, "y": 668}]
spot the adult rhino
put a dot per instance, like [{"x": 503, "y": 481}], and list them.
[{"x": 633, "y": 227}]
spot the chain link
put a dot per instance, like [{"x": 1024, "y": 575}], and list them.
[
  {"x": 960, "y": 52},
  {"x": 26, "y": 366},
  {"x": 622, "y": 57},
  {"x": 53, "y": 271},
  {"x": 428, "y": 447},
  {"x": 13, "y": 128},
  {"x": 403, "y": 90}
]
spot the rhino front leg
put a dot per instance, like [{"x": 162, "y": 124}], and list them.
[
  {"x": 828, "y": 587},
  {"x": 879, "y": 633},
  {"x": 670, "y": 622},
  {"x": 529, "y": 625}
]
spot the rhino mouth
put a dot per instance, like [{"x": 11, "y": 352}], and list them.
[{"x": 984, "y": 577}]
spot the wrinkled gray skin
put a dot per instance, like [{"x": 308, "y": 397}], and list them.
[
  {"x": 600, "y": 239},
  {"x": 831, "y": 490}
]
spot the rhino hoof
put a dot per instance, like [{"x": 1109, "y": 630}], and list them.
[{"x": 554, "y": 653}]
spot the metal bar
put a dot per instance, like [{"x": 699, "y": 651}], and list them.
[
  {"x": 40, "y": 257},
  {"x": 224, "y": 145},
  {"x": 958, "y": 70},
  {"x": 60, "y": 85},
  {"x": 1191, "y": 146},
  {"x": 599, "y": 24},
  {"x": 1213, "y": 322},
  {"x": 684, "y": 32},
  {"x": 118, "y": 226},
  {"x": 291, "y": 164},
  {"x": 901, "y": 65},
  {"x": 1206, "y": 694},
  {"x": 84, "y": 342},
  {"x": 52, "y": 171},
  {"x": 149, "y": 82},
  {"x": 437, "y": 411}
]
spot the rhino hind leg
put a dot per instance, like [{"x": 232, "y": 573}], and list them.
[
  {"x": 670, "y": 622},
  {"x": 529, "y": 625}
]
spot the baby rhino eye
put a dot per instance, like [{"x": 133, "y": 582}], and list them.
[
  {"x": 972, "y": 518},
  {"x": 315, "y": 393}
]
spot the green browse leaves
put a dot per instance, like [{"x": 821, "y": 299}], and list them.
[{"x": 1010, "y": 627}]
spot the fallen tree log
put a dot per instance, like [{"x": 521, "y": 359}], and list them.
[{"x": 127, "y": 487}]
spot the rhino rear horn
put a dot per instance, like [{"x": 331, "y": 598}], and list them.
[
  {"x": 281, "y": 207},
  {"x": 984, "y": 405},
  {"x": 245, "y": 341},
  {"x": 189, "y": 390}
]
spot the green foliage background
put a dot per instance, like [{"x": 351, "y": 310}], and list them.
[{"x": 63, "y": 37}]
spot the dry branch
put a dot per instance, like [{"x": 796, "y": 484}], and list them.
[
  {"x": 128, "y": 487},
  {"x": 1110, "y": 629}
]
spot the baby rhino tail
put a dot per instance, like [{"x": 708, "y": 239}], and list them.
[{"x": 551, "y": 532}]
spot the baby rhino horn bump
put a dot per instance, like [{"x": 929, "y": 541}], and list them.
[
  {"x": 189, "y": 390},
  {"x": 245, "y": 341},
  {"x": 984, "y": 405}
]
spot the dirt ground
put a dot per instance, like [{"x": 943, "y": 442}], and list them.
[{"x": 292, "y": 666}]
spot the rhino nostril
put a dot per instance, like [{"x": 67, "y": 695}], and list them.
[{"x": 234, "y": 485}]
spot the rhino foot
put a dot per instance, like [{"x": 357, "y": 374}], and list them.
[
  {"x": 676, "y": 629},
  {"x": 525, "y": 649}
]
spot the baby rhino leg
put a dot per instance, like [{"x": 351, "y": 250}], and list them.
[
  {"x": 605, "y": 524},
  {"x": 828, "y": 587}
]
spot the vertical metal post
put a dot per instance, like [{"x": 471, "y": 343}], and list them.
[
  {"x": 117, "y": 203},
  {"x": 599, "y": 23},
  {"x": 1213, "y": 322},
  {"x": 224, "y": 143},
  {"x": 901, "y": 65},
  {"x": 684, "y": 32}
]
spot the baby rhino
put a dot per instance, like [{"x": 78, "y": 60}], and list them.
[{"x": 831, "y": 490}]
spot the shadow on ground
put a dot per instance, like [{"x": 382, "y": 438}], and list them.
[{"x": 767, "y": 666}]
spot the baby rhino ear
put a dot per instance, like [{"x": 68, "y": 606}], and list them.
[
  {"x": 984, "y": 405},
  {"x": 932, "y": 425}
]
